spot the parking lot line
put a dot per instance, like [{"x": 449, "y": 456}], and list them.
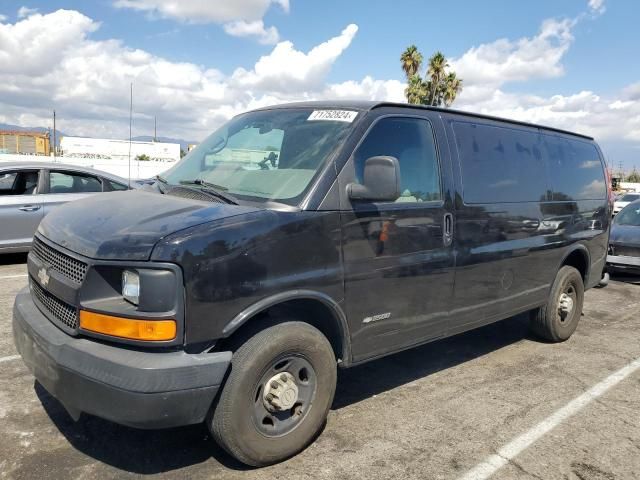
[
  {"x": 9, "y": 358},
  {"x": 13, "y": 276},
  {"x": 495, "y": 462}
]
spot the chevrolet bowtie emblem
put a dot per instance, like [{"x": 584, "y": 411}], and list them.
[{"x": 43, "y": 276}]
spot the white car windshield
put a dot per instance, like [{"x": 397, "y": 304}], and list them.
[{"x": 270, "y": 155}]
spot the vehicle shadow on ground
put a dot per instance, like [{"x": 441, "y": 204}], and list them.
[
  {"x": 13, "y": 258},
  {"x": 149, "y": 452},
  {"x": 625, "y": 277}
]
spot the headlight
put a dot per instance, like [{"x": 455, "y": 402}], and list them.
[{"x": 131, "y": 286}]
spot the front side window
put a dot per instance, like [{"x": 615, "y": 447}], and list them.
[
  {"x": 266, "y": 155},
  {"x": 411, "y": 141},
  {"x": 18, "y": 182},
  {"x": 116, "y": 186},
  {"x": 71, "y": 182}
]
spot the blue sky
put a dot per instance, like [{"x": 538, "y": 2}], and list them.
[{"x": 571, "y": 63}]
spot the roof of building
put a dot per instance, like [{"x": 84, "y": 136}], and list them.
[
  {"x": 27, "y": 133},
  {"x": 366, "y": 105}
]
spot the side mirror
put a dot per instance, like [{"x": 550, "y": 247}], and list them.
[{"x": 381, "y": 181}]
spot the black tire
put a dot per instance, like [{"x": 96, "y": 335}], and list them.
[
  {"x": 552, "y": 322},
  {"x": 236, "y": 422}
]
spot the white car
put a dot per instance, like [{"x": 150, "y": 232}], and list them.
[{"x": 625, "y": 200}]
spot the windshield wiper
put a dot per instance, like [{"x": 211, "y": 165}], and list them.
[
  {"x": 163, "y": 181},
  {"x": 212, "y": 189}
]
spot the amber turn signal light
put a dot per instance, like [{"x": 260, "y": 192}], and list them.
[{"x": 132, "y": 329}]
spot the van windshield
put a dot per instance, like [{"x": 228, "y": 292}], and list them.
[{"x": 271, "y": 155}]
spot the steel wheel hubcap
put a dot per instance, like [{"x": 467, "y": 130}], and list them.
[
  {"x": 280, "y": 393},
  {"x": 284, "y": 395},
  {"x": 566, "y": 303}
]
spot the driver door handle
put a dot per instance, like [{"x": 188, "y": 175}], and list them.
[
  {"x": 447, "y": 229},
  {"x": 29, "y": 208}
]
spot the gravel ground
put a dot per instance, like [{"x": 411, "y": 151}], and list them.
[{"x": 433, "y": 412}]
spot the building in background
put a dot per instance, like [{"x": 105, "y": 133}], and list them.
[
  {"x": 24, "y": 142},
  {"x": 106, "y": 149}
]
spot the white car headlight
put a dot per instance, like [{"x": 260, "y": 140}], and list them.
[{"x": 131, "y": 286}]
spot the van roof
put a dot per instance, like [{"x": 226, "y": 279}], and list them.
[{"x": 366, "y": 105}]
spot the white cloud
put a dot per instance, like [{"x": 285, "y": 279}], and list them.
[
  {"x": 597, "y": 6},
  {"x": 506, "y": 60},
  {"x": 50, "y": 61},
  {"x": 241, "y": 18},
  {"x": 24, "y": 12},
  {"x": 256, "y": 28},
  {"x": 3, "y": 17}
]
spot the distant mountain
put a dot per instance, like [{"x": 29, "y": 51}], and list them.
[{"x": 6, "y": 126}]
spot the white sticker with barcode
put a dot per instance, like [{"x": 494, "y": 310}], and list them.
[{"x": 333, "y": 115}]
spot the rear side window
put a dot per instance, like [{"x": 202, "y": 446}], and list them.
[
  {"x": 67, "y": 182},
  {"x": 576, "y": 171},
  {"x": 500, "y": 165},
  {"x": 411, "y": 141}
]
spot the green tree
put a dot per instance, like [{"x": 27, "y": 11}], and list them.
[
  {"x": 416, "y": 91},
  {"x": 143, "y": 157},
  {"x": 440, "y": 86},
  {"x": 411, "y": 60},
  {"x": 437, "y": 71},
  {"x": 634, "y": 176},
  {"x": 452, "y": 87}
]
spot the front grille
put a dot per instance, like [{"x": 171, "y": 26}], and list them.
[
  {"x": 73, "y": 269},
  {"x": 624, "y": 251},
  {"x": 60, "y": 311}
]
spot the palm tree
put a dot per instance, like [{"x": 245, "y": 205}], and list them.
[
  {"x": 411, "y": 60},
  {"x": 416, "y": 91},
  {"x": 436, "y": 71},
  {"x": 453, "y": 86}
]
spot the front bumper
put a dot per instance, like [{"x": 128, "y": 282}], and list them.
[
  {"x": 134, "y": 388},
  {"x": 622, "y": 262}
]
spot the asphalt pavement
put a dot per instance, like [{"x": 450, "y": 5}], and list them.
[{"x": 492, "y": 403}]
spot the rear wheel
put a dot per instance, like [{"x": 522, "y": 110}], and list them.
[
  {"x": 558, "y": 319},
  {"x": 277, "y": 396}
]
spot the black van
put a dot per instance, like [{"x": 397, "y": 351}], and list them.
[{"x": 299, "y": 238}]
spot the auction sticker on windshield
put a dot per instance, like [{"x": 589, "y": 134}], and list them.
[{"x": 333, "y": 115}]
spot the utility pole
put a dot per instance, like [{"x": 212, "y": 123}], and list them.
[
  {"x": 130, "y": 127},
  {"x": 54, "y": 135}
]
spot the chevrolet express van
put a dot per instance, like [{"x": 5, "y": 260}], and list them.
[{"x": 297, "y": 239}]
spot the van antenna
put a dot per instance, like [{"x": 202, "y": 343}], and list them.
[{"x": 130, "y": 125}]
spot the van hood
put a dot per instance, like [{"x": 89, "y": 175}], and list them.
[{"x": 127, "y": 225}]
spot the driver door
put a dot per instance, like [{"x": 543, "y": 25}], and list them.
[{"x": 398, "y": 265}]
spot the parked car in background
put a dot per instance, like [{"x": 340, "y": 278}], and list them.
[
  {"x": 625, "y": 200},
  {"x": 30, "y": 190},
  {"x": 624, "y": 242}
]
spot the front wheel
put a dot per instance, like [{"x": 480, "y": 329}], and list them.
[
  {"x": 277, "y": 396},
  {"x": 558, "y": 319}
]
